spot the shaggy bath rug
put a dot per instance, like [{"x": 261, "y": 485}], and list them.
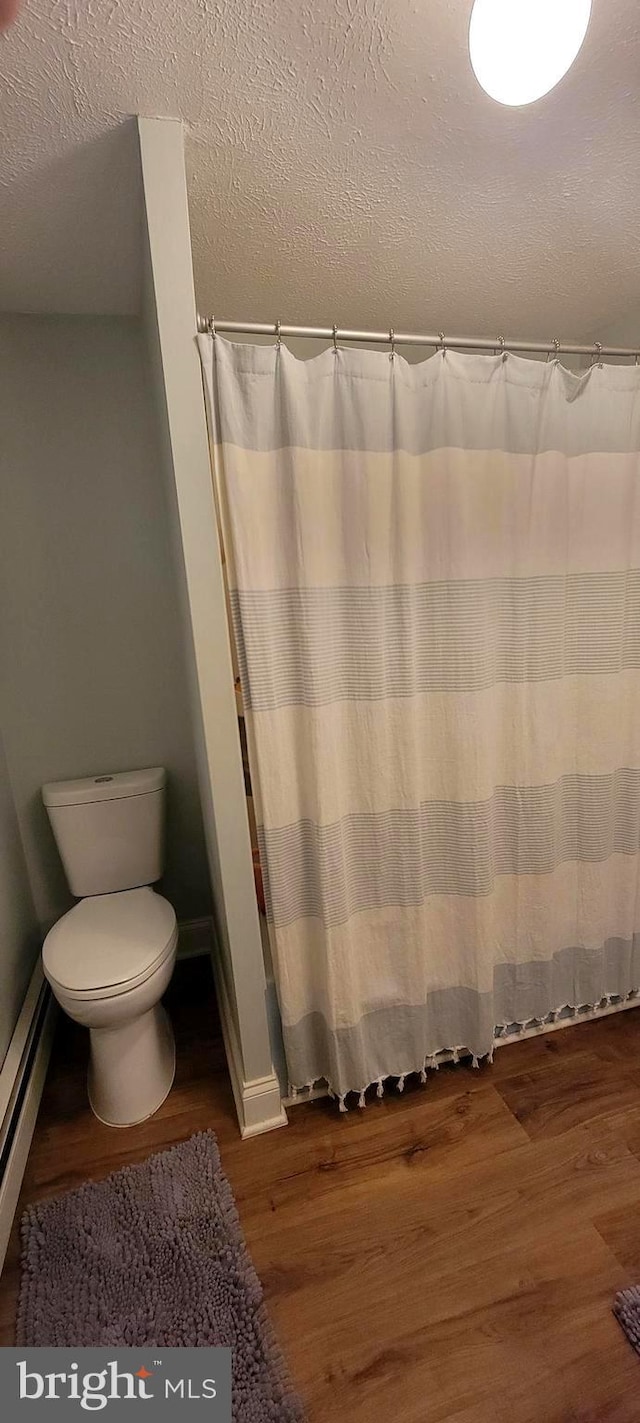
[
  {"x": 627, "y": 1312},
  {"x": 155, "y": 1255}
]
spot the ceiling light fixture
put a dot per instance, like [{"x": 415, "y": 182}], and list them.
[{"x": 520, "y": 49}]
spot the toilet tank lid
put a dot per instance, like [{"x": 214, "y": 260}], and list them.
[{"x": 110, "y": 786}]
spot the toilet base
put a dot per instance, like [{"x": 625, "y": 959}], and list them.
[{"x": 131, "y": 1068}]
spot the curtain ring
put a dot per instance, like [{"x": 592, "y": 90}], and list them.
[
  {"x": 443, "y": 344},
  {"x": 335, "y": 340},
  {"x": 392, "y": 339},
  {"x": 503, "y": 347},
  {"x": 556, "y": 348},
  {"x": 278, "y": 336},
  {"x": 211, "y": 326},
  {"x": 596, "y": 358}
]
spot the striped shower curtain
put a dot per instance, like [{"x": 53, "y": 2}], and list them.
[{"x": 435, "y": 581}]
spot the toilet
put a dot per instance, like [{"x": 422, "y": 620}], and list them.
[{"x": 110, "y": 959}]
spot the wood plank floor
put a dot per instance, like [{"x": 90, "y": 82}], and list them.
[{"x": 446, "y": 1256}]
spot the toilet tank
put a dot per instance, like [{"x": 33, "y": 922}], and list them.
[{"x": 109, "y": 829}]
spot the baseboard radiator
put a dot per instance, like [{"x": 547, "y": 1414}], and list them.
[{"x": 21, "y": 1082}]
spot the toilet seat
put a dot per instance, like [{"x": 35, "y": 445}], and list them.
[{"x": 109, "y": 943}]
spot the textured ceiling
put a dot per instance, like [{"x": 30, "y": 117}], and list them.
[{"x": 343, "y": 164}]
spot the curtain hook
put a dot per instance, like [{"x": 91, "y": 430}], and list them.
[
  {"x": 392, "y": 339},
  {"x": 335, "y": 340},
  {"x": 278, "y": 336},
  {"x": 556, "y": 347},
  {"x": 596, "y": 358},
  {"x": 503, "y": 347},
  {"x": 637, "y": 358},
  {"x": 211, "y": 326},
  {"x": 443, "y": 344}
]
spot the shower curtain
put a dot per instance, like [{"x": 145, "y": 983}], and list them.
[{"x": 435, "y": 582}]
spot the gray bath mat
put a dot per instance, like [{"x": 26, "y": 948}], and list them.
[
  {"x": 627, "y": 1311},
  {"x": 155, "y": 1255}
]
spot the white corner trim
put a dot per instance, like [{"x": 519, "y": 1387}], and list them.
[
  {"x": 262, "y": 1106},
  {"x": 17, "y": 1159},
  {"x": 195, "y": 938},
  {"x": 258, "y": 1100}
]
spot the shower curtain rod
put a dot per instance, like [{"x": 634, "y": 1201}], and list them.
[{"x": 404, "y": 338}]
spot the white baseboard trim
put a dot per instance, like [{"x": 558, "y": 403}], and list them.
[
  {"x": 258, "y": 1101},
  {"x": 22, "y": 1130},
  {"x": 195, "y": 938},
  {"x": 308, "y": 1094},
  {"x": 568, "y": 1019}
]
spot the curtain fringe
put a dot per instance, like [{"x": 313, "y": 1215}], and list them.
[
  {"x": 455, "y": 1054},
  {"x": 431, "y": 1063}
]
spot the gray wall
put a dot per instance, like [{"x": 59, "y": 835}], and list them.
[
  {"x": 92, "y": 673},
  {"x": 623, "y": 332},
  {"x": 19, "y": 940}
]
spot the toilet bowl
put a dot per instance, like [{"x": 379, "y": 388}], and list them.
[{"x": 109, "y": 960}]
